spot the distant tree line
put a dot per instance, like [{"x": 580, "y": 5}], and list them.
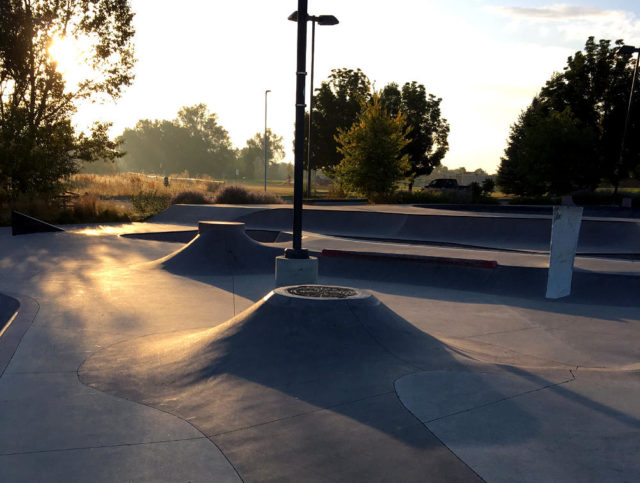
[
  {"x": 570, "y": 136},
  {"x": 197, "y": 143}
]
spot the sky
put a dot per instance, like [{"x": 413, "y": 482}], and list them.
[{"x": 485, "y": 59}]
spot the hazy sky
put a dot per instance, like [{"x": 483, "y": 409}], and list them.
[{"x": 486, "y": 59}]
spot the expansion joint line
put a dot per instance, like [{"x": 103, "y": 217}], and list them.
[
  {"x": 508, "y": 398},
  {"x": 119, "y": 445}
]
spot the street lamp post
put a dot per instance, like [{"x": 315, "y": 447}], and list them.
[
  {"x": 321, "y": 20},
  {"x": 297, "y": 251},
  {"x": 626, "y": 50},
  {"x": 266, "y": 140}
]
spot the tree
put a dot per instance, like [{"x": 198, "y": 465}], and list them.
[
  {"x": 38, "y": 144},
  {"x": 549, "y": 152},
  {"x": 336, "y": 105},
  {"x": 428, "y": 135},
  {"x": 194, "y": 141},
  {"x": 252, "y": 155},
  {"x": 372, "y": 150},
  {"x": 591, "y": 95}
]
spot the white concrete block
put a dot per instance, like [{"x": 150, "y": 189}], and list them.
[
  {"x": 296, "y": 271},
  {"x": 565, "y": 230}
]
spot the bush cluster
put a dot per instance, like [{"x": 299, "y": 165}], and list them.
[
  {"x": 191, "y": 198},
  {"x": 150, "y": 202},
  {"x": 239, "y": 195}
]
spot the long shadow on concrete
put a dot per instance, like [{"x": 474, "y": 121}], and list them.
[{"x": 297, "y": 391}]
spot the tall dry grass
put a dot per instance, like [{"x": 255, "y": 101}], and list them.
[{"x": 130, "y": 184}]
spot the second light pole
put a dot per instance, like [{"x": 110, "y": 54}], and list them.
[
  {"x": 266, "y": 139},
  {"x": 321, "y": 20}
]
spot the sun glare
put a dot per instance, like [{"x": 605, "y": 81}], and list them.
[{"x": 71, "y": 56}]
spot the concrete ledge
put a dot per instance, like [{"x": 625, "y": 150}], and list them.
[
  {"x": 295, "y": 271},
  {"x": 464, "y": 262}
]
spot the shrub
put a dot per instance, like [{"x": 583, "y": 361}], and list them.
[
  {"x": 84, "y": 209},
  {"x": 488, "y": 186},
  {"x": 191, "y": 198},
  {"x": 238, "y": 195},
  {"x": 150, "y": 202}
]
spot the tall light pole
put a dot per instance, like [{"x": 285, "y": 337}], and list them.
[
  {"x": 266, "y": 140},
  {"x": 297, "y": 251},
  {"x": 322, "y": 20},
  {"x": 626, "y": 50}
]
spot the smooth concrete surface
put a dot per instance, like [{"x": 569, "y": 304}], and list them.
[
  {"x": 510, "y": 231},
  {"x": 459, "y": 374},
  {"x": 565, "y": 231},
  {"x": 8, "y": 311},
  {"x": 292, "y": 271}
]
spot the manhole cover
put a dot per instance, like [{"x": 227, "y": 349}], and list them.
[{"x": 322, "y": 291}]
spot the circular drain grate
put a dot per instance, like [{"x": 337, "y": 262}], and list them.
[{"x": 322, "y": 291}]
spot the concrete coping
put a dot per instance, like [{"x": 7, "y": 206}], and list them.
[{"x": 220, "y": 226}]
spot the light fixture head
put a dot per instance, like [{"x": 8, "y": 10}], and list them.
[
  {"x": 327, "y": 20},
  {"x": 627, "y": 49}
]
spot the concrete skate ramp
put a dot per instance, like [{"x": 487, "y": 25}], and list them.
[
  {"x": 501, "y": 232},
  {"x": 185, "y": 236},
  {"x": 588, "y": 288},
  {"x": 192, "y": 214},
  {"x": 220, "y": 248},
  {"x": 8, "y": 309},
  {"x": 295, "y": 388}
]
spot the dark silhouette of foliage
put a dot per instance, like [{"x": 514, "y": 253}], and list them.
[
  {"x": 549, "y": 152},
  {"x": 587, "y": 102},
  {"x": 428, "y": 131},
  {"x": 336, "y": 105},
  {"x": 38, "y": 145},
  {"x": 488, "y": 186}
]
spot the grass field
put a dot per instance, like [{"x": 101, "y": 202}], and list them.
[
  {"x": 123, "y": 197},
  {"x": 127, "y": 197}
]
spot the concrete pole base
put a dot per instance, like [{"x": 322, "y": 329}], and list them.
[
  {"x": 565, "y": 232},
  {"x": 296, "y": 271}
]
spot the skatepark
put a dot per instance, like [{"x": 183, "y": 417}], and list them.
[{"x": 163, "y": 351}]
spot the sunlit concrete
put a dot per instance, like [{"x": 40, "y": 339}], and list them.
[{"x": 542, "y": 390}]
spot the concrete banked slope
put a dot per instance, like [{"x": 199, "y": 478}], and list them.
[
  {"x": 296, "y": 388},
  {"x": 220, "y": 248},
  {"x": 497, "y": 230},
  {"x": 224, "y": 248}
]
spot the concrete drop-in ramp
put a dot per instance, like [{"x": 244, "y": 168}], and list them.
[{"x": 296, "y": 388}]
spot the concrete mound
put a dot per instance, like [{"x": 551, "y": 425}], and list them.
[
  {"x": 220, "y": 248},
  {"x": 298, "y": 387}
]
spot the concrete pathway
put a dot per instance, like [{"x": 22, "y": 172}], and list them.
[{"x": 541, "y": 390}]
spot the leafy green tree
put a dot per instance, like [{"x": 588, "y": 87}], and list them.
[
  {"x": 38, "y": 144},
  {"x": 372, "y": 150},
  {"x": 252, "y": 155},
  {"x": 549, "y": 152},
  {"x": 194, "y": 141},
  {"x": 593, "y": 90},
  {"x": 428, "y": 135},
  {"x": 336, "y": 105}
]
